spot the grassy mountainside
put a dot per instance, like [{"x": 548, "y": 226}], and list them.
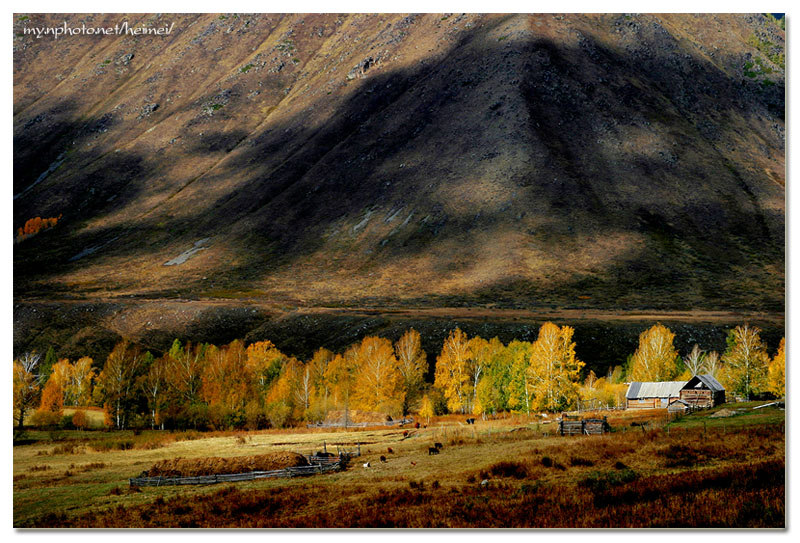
[{"x": 515, "y": 161}]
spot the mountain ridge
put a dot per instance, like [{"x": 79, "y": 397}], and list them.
[{"x": 520, "y": 161}]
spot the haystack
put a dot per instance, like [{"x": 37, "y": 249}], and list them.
[{"x": 191, "y": 467}]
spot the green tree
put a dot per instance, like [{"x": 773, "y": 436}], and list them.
[
  {"x": 745, "y": 362},
  {"x": 46, "y": 367},
  {"x": 520, "y": 384}
]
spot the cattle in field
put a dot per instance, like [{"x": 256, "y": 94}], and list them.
[
  {"x": 366, "y": 464},
  {"x": 438, "y": 445},
  {"x": 470, "y": 421},
  {"x": 383, "y": 459},
  {"x": 416, "y": 425},
  {"x": 432, "y": 450},
  {"x": 389, "y": 450}
]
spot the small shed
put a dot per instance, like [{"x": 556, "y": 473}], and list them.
[
  {"x": 651, "y": 395},
  {"x": 703, "y": 391},
  {"x": 570, "y": 426},
  {"x": 676, "y": 405}
]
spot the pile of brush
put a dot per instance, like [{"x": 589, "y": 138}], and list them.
[{"x": 192, "y": 467}]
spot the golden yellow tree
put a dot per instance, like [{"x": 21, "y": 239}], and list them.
[
  {"x": 452, "y": 372},
  {"x": 554, "y": 369},
  {"x": 776, "y": 377},
  {"x": 412, "y": 365},
  {"x": 62, "y": 372},
  {"x": 378, "y": 379},
  {"x": 656, "y": 359},
  {"x": 264, "y": 363},
  {"x": 321, "y": 385},
  {"x": 281, "y": 405},
  {"x": 340, "y": 376},
  {"x": 426, "y": 409},
  {"x": 79, "y": 388},
  {"x": 745, "y": 362}
]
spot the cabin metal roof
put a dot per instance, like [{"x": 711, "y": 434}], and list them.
[
  {"x": 706, "y": 379},
  {"x": 663, "y": 389}
]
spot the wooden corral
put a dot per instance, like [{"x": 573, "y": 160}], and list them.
[{"x": 568, "y": 426}]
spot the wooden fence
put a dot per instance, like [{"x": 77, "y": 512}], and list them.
[
  {"x": 317, "y": 465},
  {"x": 571, "y": 427},
  {"x": 349, "y": 424}
]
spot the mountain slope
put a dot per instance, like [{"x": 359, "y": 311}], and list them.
[{"x": 610, "y": 161}]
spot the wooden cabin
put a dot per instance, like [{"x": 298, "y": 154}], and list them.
[
  {"x": 652, "y": 395},
  {"x": 703, "y": 391}
]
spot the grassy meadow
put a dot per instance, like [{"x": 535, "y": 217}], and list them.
[{"x": 695, "y": 471}]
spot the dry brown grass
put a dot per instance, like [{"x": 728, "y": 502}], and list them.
[{"x": 687, "y": 477}]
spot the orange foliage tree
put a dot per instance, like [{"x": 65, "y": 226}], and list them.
[
  {"x": 36, "y": 225},
  {"x": 52, "y": 398}
]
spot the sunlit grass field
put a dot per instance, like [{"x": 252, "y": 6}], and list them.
[{"x": 517, "y": 472}]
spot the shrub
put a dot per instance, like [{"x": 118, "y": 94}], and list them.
[
  {"x": 79, "y": 420},
  {"x": 509, "y": 469},
  {"x": 578, "y": 461},
  {"x": 45, "y": 418}
]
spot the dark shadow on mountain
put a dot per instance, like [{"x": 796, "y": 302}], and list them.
[{"x": 302, "y": 181}]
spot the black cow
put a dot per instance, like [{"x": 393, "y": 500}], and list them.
[
  {"x": 438, "y": 445},
  {"x": 432, "y": 450}
]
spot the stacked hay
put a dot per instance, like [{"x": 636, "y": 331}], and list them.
[{"x": 192, "y": 467}]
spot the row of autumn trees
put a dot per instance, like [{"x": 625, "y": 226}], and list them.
[{"x": 256, "y": 386}]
